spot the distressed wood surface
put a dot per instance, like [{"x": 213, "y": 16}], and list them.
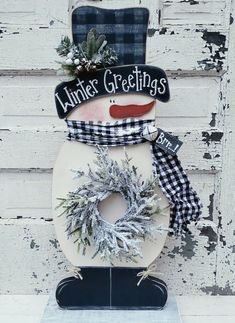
[
  {"x": 28, "y": 194},
  {"x": 225, "y": 282},
  {"x": 194, "y": 42},
  {"x": 207, "y": 12},
  {"x": 33, "y": 25},
  {"x": 33, "y": 104},
  {"x": 46, "y": 264},
  {"x": 38, "y": 148},
  {"x": 166, "y": 48}
]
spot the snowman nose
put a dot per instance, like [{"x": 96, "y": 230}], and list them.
[{"x": 130, "y": 110}]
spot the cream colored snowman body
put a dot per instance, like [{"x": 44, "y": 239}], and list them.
[{"x": 76, "y": 155}]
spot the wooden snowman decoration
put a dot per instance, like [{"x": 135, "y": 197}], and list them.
[{"x": 111, "y": 209}]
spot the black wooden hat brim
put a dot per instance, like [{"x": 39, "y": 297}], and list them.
[{"x": 138, "y": 78}]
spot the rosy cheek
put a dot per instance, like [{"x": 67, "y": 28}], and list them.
[{"x": 92, "y": 112}]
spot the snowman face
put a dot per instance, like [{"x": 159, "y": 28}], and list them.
[{"x": 114, "y": 107}]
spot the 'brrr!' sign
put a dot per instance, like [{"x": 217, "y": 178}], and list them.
[{"x": 149, "y": 80}]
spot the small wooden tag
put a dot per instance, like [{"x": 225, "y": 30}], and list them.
[{"x": 170, "y": 144}]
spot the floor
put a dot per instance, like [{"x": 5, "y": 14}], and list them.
[{"x": 193, "y": 309}]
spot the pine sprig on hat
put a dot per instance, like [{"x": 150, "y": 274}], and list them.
[{"x": 90, "y": 55}]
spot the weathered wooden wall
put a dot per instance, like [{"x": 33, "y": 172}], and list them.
[{"x": 194, "y": 42}]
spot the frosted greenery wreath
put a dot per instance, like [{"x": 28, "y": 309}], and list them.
[{"x": 122, "y": 239}]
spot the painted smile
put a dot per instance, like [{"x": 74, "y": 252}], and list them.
[{"x": 131, "y": 110}]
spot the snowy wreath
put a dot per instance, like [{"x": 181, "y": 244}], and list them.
[{"x": 122, "y": 239}]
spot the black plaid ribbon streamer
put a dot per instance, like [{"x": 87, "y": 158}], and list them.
[
  {"x": 173, "y": 181},
  {"x": 125, "y": 30}
]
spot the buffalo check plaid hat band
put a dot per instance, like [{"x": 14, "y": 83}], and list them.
[{"x": 185, "y": 204}]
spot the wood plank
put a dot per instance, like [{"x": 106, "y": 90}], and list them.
[
  {"x": 187, "y": 49},
  {"x": 31, "y": 13},
  {"x": 207, "y": 12},
  {"x": 188, "y": 264},
  {"x": 28, "y": 194},
  {"x": 173, "y": 12},
  {"x": 43, "y": 25},
  {"x": 33, "y": 254},
  {"x": 166, "y": 50},
  {"x": 197, "y": 112},
  {"x": 37, "y": 263},
  {"x": 225, "y": 283},
  {"x": 38, "y": 148},
  {"x": 33, "y": 103},
  {"x": 40, "y": 41}
]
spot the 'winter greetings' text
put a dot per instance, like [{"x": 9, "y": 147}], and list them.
[{"x": 126, "y": 79}]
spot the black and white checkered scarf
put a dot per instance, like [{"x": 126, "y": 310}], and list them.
[{"x": 173, "y": 181}]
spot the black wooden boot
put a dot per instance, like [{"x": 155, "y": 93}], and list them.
[
  {"x": 151, "y": 292},
  {"x": 111, "y": 288},
  {"x": 92, "y": 291}
]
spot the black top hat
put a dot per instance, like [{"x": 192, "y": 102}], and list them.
[{"x": 126, "y": 32}]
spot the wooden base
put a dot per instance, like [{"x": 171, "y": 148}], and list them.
[{"x": 54, "y": 314}]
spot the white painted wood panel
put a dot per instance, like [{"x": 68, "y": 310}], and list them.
[
  {"x": 38, "y": 148},
  {"x": 37, "y": 35},
  {"x": 206, "y": 12},
  {"x": 33, "y": 262},
  {"x": 226, "y": 229},
  {"x": 33, "y": 13},
  {"x": 164, "y": 49},
  {"x": 28, "y": 194},
  {"x": 33, "y": 102}
]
